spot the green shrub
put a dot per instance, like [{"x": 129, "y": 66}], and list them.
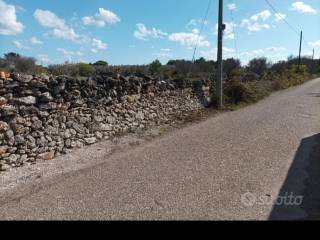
[
  {"x": 239, "y": 92},
  {"x": 79, "y": 69},
  {"x": 298, "y": 74},
  {"x": 85, "y": 69}
]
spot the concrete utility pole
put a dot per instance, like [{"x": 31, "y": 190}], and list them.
[
  {"x": 312, "y": 60},
  {"x": 300, "y": 48},
  {"x": 219, "y": 85}
]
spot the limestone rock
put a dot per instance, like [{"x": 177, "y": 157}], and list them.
[
  {"x": 30, "y": 100},
  {"x": 91, "y": 140},
  {"x": 43, "y": 117},
  {"x": 46, "y": 155},
  {"x": 3, "y": 101}
]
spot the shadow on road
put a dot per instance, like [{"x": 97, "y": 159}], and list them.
[
  {"x": 303, "y": 183},
  {"x": 315, "y": 94}
]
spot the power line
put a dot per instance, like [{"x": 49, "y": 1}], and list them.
[
  {"x": 285, "y": 21},
  {"x": 234, "y": 32},
  {"x": 282, "y": 18},
  {"x": 201, "y": 30}
]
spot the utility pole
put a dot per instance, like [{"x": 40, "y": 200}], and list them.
[
  {"x": 219, "y": 85},
  {"x": 312, "y": 61},
  {"x": 300, "y": 48}
]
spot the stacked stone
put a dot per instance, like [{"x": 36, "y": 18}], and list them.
[{"x": 41, "y": 118}]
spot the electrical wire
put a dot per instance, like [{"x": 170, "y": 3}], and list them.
[
  {"x": 287, "y": 22},
  {"x": 201, "y": 30},
  {"x": 234, "y": 32}
]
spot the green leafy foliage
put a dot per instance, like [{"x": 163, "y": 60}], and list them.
[
  {"x": 100, "y": 63},
  {"x": 79, "y": 69},
  {"x": 155, "y": 66},
  {"x": 258, "y": 66}
]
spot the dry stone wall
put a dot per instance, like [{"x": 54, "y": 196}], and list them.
[{"x": 41, "y": 118}]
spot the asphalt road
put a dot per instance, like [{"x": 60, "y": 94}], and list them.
[{"x": 227, "y": 167}]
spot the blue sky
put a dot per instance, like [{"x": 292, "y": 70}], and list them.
[{"x": 139, "y": 31}]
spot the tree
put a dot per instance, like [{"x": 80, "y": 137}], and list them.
[
  {"x": 231, "y": 66},
  {"x": 204, "y": 66},
  {"x": 258, "y": 65},
  {"x": 155, "y": 66},
  {"x": 279, "y": 67},
  {"x": 25, "y": 64},
  {"x": 100, "y": 63},
  {"x": 14, "y": 62}
]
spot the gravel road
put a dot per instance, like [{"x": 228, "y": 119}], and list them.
[{"x": 233, "y": 166}]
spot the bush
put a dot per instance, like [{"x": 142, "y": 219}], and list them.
[
  {"x": 79, "y": 69},
  {"x": 258, "y": 66},
  {"x": 239, "y": 92},
  {"x": 84, "y": 69},
  {"x": 13, "y": 62},
  {"x": 298, "y": 74},
  {"x": 39, "y": 70},
  {"x": 155, "y": 66}
]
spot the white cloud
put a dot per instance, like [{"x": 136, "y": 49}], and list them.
[
  {"x": 279, "y": 17},
  {"x": 264, "y": 15},
  {"x": 20, "y": 45},
  {"x": 101, "y": 18},
  {"x": 232, "y": 6},
  {"x": 35, "y": 41},
  {"x": 254, "y": 26},
  {"x": 64, "y": 33},
  {"x": 257, "y": 21},
  {"x": 48, "y": 19},
  {"x": 195, "y": 22},
  {"x": 98, "y": 44},
  {"x": 262, "y": 52},
  {"x": 257, "y": 52},
  {"x": 273, "y": 56},
  {"x": 189, "y": 39},
  {"x": 43, "y": 59},
  {"x": 145, "y": 34},
  {"x": 164, "y": 53},
  {"x": 301, "y": 7},
  {"x": 69, "y": 53},
  {"x": 59, "y": 28},
  {"x": 315, "y": 44},
  {"x": 25, "y": 44},
  {"x": 276, "y": 49},
  {"x": 8, "y": 20},
  {"x": 212, "y": 54}
]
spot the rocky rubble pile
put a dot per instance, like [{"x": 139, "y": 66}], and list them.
[{"x": 43, "y": 118}]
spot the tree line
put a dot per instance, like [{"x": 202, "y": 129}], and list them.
[
  {"x": 201, "y": 68},
  {"x": 247, "y": 83}
]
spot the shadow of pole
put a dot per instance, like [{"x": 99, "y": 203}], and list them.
[{"x": 299, "y": 197}]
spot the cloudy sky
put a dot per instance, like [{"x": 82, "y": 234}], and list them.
[{"x": 139, "y": 31}]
